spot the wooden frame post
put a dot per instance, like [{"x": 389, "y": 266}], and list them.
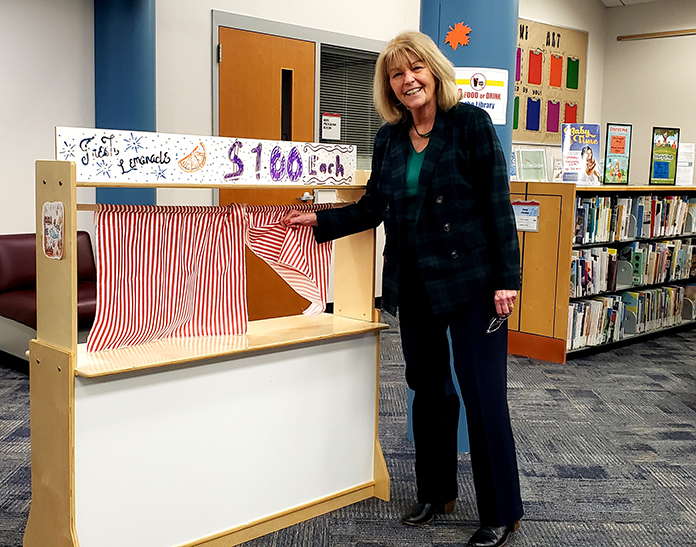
[{"x": 52, "y": 368}]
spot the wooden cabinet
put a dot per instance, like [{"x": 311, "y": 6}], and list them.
[
  {"x": 555, "y": 296},
  {"x": 538, "y": 326}
]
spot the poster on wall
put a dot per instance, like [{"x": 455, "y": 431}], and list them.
[
  {"x": 617, "y": 153},
  {"x": 550, "y": 73},
  {"x": 486, "y": 88},
  {"x": 162, "y": 159},
  {"x": 580, "y": 150},
  {"x": 663, "y": 158}
]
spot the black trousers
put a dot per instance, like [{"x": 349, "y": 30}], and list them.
[{"x": 480, "y": 363}]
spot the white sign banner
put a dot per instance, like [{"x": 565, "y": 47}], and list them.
[
  {"x": 331, "y": 127},
  {"x": 526, "y": 215},
  {"x": 486, "y": 88},
  {"x": 685, "y": 164},
  {"x": 103, "y": 155}
]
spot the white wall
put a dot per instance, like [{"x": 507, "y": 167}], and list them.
[
  {"x": 184, "y": 57},
  {"x": 47, "y": 79},
  {"x": 650, "y": 82},
  {"x": 184, "y": 53}
]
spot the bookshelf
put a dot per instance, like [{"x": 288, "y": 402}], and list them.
[{"x": 608, "y": 264}]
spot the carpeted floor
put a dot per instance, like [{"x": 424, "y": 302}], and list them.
[{"x": 606, "y": 447}]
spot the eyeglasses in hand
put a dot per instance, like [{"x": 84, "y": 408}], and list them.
[{"x": 497, "y": 322}]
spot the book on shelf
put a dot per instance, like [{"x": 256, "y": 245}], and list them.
[
  {"x": 580, "y": 225},
  {"x": 634, "y": 305},
  {"x": 640, "y": 240},
  {"x": 637, "y": 213},
  {"x": 606, "y": 218},
  {"x": 595, "y": 321},
  {"x": 647, "y": 216},
  {"x": 612, "y": 269},
  {"x": 689, "y": 302}
]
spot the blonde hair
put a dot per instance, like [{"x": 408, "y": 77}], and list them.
[{"x": 423, "y": 48}]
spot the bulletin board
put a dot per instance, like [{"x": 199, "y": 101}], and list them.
[{"x": 550, "y": 75}]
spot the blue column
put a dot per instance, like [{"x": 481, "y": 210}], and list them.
[
  {"x": 124, "y": 78},
  {"x": 492, "y": 40},
  {"x": 492, "y": 44}
]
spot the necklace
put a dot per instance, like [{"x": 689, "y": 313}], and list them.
[{"x": 422, "y": 135}]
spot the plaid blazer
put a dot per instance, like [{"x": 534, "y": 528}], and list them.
[{"x": 465, "y": 236}]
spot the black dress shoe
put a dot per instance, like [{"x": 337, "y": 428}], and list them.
[
  {"x": 423, "y": 513},
  {"x": 493, "y": 536}
]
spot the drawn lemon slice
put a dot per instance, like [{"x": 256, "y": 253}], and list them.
[{"x": 194, "y": 161}]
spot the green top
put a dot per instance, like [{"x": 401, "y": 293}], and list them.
[{"x": 413, "y": 169}]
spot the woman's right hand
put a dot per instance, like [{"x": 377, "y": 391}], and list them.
[{"x": 294, "y": 219}]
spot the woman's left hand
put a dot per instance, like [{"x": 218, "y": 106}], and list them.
[{"x": 504, "y": 301}]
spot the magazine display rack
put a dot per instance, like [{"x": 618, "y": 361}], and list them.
[
  {"x": 200, "y": 441},
  {"x": 555, "y": 310}
]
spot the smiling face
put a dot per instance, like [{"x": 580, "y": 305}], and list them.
[{"x": 413, "y": 83}]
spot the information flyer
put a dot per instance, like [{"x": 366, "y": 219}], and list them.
[
  {"x": 685, "y": 164},
  {"x": 486, "y": 88},
  {"x": 580, "y": 150},
  {"x": 617, "y": 156},
  {"x": 663, "y": 160}
]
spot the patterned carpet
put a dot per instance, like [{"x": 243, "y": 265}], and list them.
[{"x": 606, "y": 446}]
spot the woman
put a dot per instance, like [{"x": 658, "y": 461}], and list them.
[{"x": 451, "y": 260}]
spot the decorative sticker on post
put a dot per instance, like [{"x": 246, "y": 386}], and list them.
[
  {"x": 163, "y": 159},
  {"x": 458, "y": 35},
  {"x": 486, "y": 88},
  {"x": 53, "y": 229},
  {"x": 526, "y": 215}
]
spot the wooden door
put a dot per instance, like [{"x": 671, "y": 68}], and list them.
[{"x": 266, "y": 90}]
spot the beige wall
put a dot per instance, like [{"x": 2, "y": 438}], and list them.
[
  {"x": 650, "y": 82},
  {"x": 46, "y": 79}
]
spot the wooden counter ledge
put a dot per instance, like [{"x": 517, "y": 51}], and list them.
[{"x": 261, "y": 335}]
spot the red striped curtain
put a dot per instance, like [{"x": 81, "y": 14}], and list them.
[
  {"x": 168, "y": 272},
  {"x": 292, "y": 253}
]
